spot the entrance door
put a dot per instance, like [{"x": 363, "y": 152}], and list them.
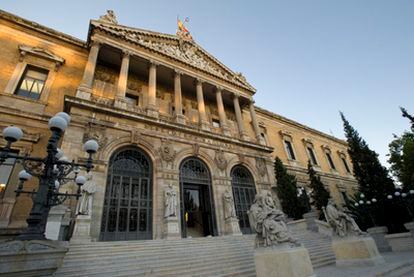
[
  {"x": 197, "y": 209},
  {"x": 127, "y": 212}
]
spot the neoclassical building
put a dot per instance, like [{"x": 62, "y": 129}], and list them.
[{"x": 164, "y": 112}]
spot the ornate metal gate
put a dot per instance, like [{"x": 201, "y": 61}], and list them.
[
  {"x": 244, "y": 192},
  {"x": 127, "y": 211},
  {"x": 196, "y": 191}
]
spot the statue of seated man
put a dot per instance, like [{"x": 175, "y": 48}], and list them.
[
  {"x": 342, "y": 223},
  {"x": 268, "y": 221}
]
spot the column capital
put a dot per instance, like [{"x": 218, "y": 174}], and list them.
[
  {"x": 96, "y": 43},
  {"x": 126, "y": 53},
  {"x": 199, "y": 81},
  {"x": 236, "y": 95},
  {"x": 153, "y": 62},
  {"x": 178, "y": 72},
  {"x": 219, "y": 88}
]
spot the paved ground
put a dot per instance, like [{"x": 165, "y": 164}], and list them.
[{"x": 393, "y": 260}]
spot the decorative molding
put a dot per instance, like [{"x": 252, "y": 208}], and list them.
[
  {"x": 242, "y": 158},
  {"x": 135, "y": 136},
  {"x": 220, "y": 159},
  {"x": 196, "y": 149},
  {"x": 42, "y": 53},
  {"x": 261, "y": 166},
  {"x": 285, "y": 133},
  {"x": 166, "y": 150}
]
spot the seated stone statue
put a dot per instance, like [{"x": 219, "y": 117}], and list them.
[
  {"x": 268, "y": 221},
  {"x": 341, "y": 223}
]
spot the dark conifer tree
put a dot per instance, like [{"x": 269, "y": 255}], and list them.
[
  {"x": 287, "y": 191},
  {"x": 319, "y": 193}
]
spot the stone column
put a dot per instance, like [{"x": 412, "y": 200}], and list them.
[
  {"x": 179, "y": 117},
  {"x": 201, "y": 107},
  {"x": 123, "y": 76},
  {"x": 85, "y": 88},
  {"x": 256, "y": 128},
  {"x": 152, "y": 90},
  {"x": 221, "y": 112},
  {"x": 239, "y": 117}
]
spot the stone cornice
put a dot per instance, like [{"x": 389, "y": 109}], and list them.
[
  {"x": 74, "y": 101},
  {"x": 41, "y": 29},
  {"x": 263, "y": 112},
  {"x": 303, "y": 170}
]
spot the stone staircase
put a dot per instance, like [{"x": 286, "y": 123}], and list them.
[{"x": 210, "y": 256}]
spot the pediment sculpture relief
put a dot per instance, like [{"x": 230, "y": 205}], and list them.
[{"x": 109, "y": 17}]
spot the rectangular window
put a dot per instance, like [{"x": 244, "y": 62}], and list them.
[
  {"x": 32, "y": 82},
  {"x": 289, "y": 150},
  {"x": 331, "y": 163},
  {"x": 5, "y": 171},
  {"x": 132, "y": 99},
  {"x": 312, "y": 156},
  {"x": 216, "y": 123},
  {"x": 345, "y": 165}
]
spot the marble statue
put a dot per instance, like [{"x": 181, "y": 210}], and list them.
[
  {"x": 268, "y": 222},
  {"x": 341, "y": 223},
  {"x": 170, "y": 198},
  {"x": 109, "y": 17},
  {"x": 229, "y": 211},
  {"x": 88, "y": 189}
]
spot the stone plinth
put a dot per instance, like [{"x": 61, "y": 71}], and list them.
[
  {"x": 82, "y": 230},
  {"x": 171, "y": 228},
  {"x": 310, "y": 218},
  {"x": 356, "y": 250},
  {"x": 378, "y": 234},
  {"x": 231, "y": 226},
  {"x": 410, "y": 227},
  {"x": 54, "y": 222},
  {"x": 282, "y": 262},
  {"x": 31, "y": 258},
  {"x": 84, "y": 93}
]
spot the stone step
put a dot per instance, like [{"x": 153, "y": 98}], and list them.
[
  {"x": 403, "y": 269},
  {"x": 162, "y": 269}
]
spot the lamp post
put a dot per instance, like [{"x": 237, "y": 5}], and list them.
[
  {"x": 402, "y": 197},
  {"x": 52, "y": 171},
  {"x": 366, "y": 205}
]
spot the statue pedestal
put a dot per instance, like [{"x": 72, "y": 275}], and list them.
[
  {"x": 310, "y": 218},
  {"x": 378, "y": 234},
  {"x": 171, "y": 228},
  {"x": 231, "y": 226},
  {"x": 283, "y": 262},
  {"x": 82, "y": 230},
  {"x": 356, "y": 250}
]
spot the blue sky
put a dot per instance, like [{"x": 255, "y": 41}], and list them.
[{"x": 307, "y": 59}]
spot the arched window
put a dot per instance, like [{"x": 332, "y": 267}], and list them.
[
  {"x": 244, "y": 192},
  {"x": 127, "y": 211}
]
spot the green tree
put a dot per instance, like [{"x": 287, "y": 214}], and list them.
[
  {"x": 373, "y": 178},
  {"x": 319, "y": 193},
  {"x": 409, "y": 116},
  {"x": 401, "y": 159},
  {"x": 287, "y": 191}
]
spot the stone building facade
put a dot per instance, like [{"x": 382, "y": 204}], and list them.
[{"x": 164, "y": 112}]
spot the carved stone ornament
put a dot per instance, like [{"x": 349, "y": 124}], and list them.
[
  {"x": 220, "y": 160},
  {"x": 95, "y": 134},
  {"x": 242, "y": 158},
  {"x": 135, "y": 136},
  {"x": 42, "y": 53},
  {"x": 167, "y": 151},
  {"x": 109, "y": 17},
  {"x": 196, "y": 149},
  {"x": 261, "y": 166}
]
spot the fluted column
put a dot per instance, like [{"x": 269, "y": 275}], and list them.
[
  {"x": 152, "y": 90},
  {"x": 256, "y": 128},
  {"x": 123, "y": 75},
  {"x": 88, "y": 74},
  {"x": 179, "y": 117},
  {"x": 201, "y": 107},
  {"x": 221, "y": 112},
  {"x": 239, "y": 116}
]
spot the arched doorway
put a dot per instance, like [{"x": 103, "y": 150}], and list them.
[
  {"x": 127, "y": 210},
  {"x": 244, "y": 192},
  {"x": 197, "y": 207}
]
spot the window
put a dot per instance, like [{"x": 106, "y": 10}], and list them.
[
  {"x": 312, "y": 156},
  {"x": 5, "y": 171},
  {"x": 32, "y": 82},
  {"x": 345, "y": 164},
  {"x": 216, "y": 123},
  {"x": 289, "y": 150},
  {"x": 132, "y": 99},
  {"x": 331, "y": 163}
]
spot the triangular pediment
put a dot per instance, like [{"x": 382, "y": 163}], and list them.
[{"x": 172, "y": 46}]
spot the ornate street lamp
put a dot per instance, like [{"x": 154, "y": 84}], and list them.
[
  {"x": 366, "y": 205},
  {"x": 52, "y": 171},
  {"x": 403, "y": 200}
]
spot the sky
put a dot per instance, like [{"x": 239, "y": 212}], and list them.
[{"x": 308, "y": 59}]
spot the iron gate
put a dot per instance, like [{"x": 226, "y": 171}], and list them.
[
  {"x": 127, "y": 211},
  {"x": 244, "y": 192}
]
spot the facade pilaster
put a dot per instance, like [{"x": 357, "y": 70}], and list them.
[
  {"x": 256, "y": 128},
  {"x": 179, "y": 117},
  {"x": 201, "y": 107},
  {"x": 221, "y": 112},
  {"x": 239, "y": 116}
]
